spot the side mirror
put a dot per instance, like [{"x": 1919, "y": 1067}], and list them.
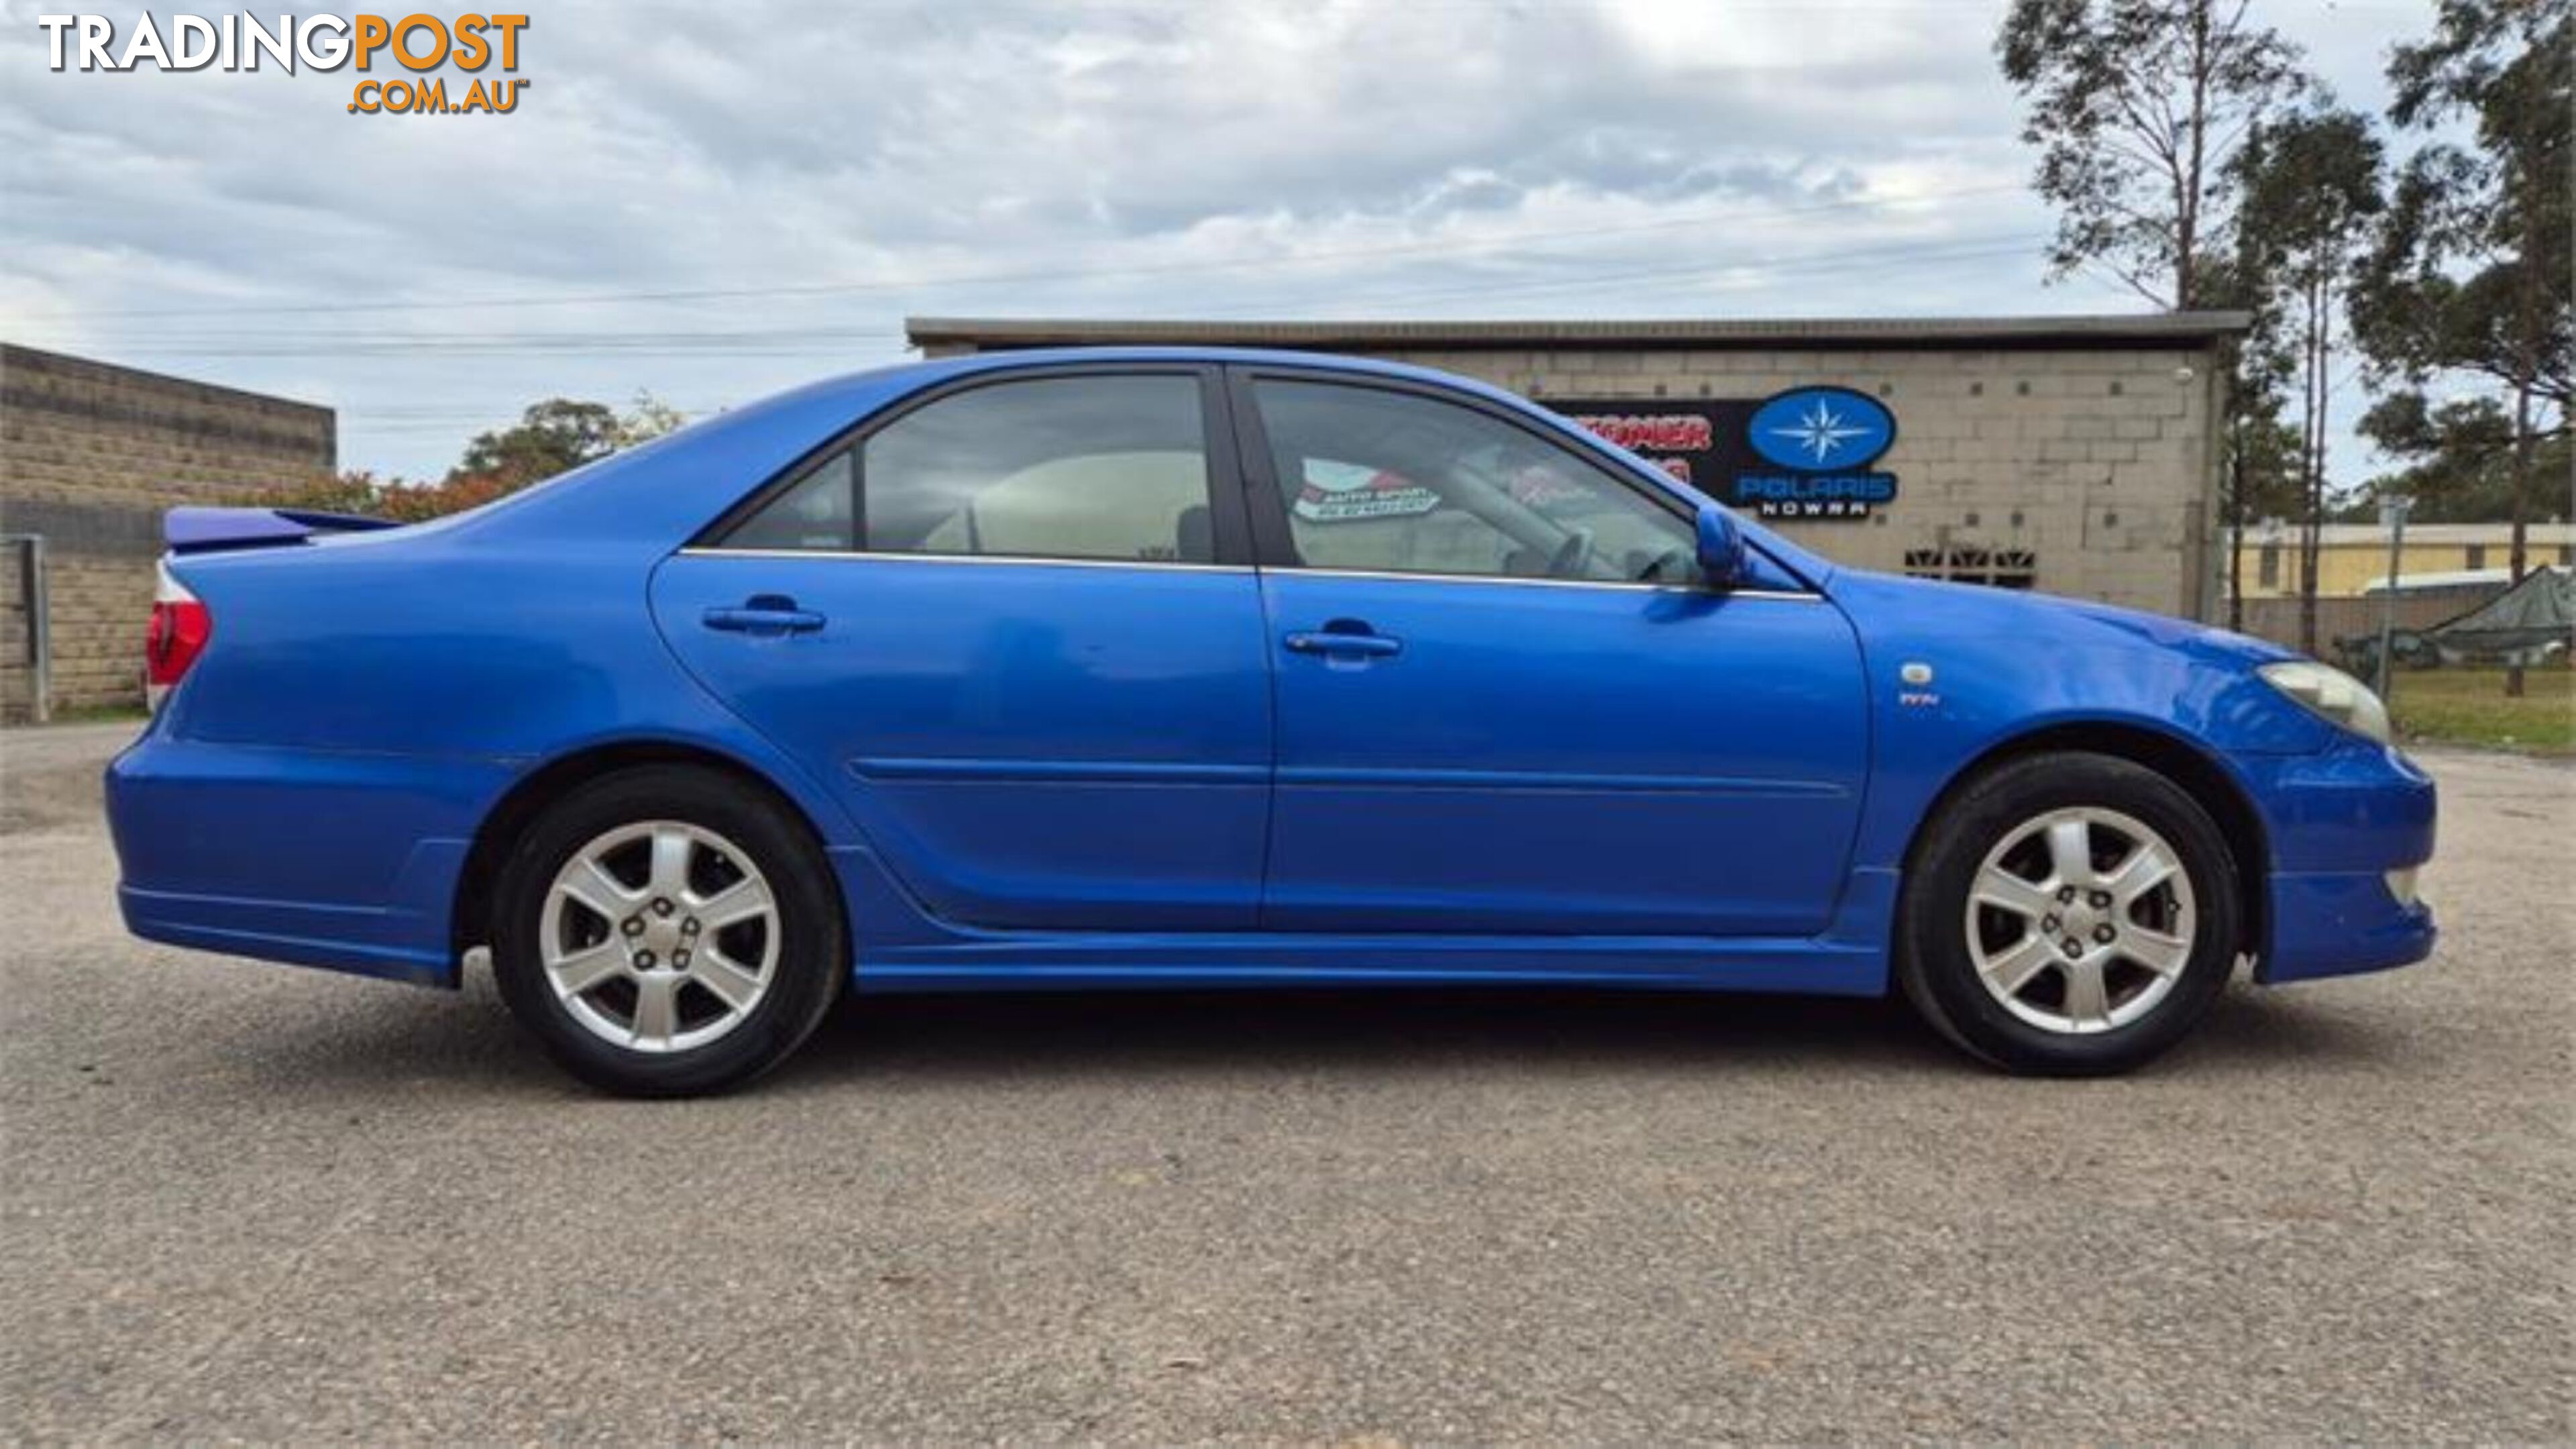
[{"x": 1721, "y": 547}]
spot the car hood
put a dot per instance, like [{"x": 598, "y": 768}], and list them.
[
  {"x": 2043, "y": 620},
  {"x": 1984, "y": 663}
]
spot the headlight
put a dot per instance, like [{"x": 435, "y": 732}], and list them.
[{"x": 2332, "y": 694}]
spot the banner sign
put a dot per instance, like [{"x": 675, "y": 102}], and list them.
[{"x": 1802, "y": 454}]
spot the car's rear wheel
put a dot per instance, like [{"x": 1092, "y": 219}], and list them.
[
  {"x": 2069, "y": 915},
  {"x": 664, "y": 932}
]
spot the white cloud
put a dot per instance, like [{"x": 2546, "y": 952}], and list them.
[{"x": 1439, "y": 157}]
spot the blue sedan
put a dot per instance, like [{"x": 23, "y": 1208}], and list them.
[{"x": 1185, "y": 667}]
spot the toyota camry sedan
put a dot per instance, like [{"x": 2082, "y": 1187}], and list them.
[{"x": 1187, "y": 667}]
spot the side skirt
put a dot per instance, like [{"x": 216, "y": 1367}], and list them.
[{"x": 901, "y": 950}]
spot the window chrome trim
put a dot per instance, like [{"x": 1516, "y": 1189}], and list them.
[
  {"x": 1622, "y": 585},
  {"x": 1173, "y": 566},
  {"x": 1037, "y": 560}
]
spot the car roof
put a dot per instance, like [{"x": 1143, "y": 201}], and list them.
[{"x": 906, "y": 376}]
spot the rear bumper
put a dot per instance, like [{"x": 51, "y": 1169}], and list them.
[
  {"x": 359, "y": 940},
  {"x": 318, "y": 858},
  {"x": 2341, "y": 822}
]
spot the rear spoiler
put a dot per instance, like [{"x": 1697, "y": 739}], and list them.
[{"x": 204, "y": 530}]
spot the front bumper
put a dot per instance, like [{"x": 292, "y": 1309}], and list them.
[{"x": 2341, "y": 822}]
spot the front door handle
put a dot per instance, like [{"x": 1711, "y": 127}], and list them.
[
  {"x": 766, "y": 615},
  {"x": 1347, "y": 645}
]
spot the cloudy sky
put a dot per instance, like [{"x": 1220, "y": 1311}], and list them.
[{"x": 709, "y": 202}]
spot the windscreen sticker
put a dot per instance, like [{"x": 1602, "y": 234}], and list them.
[
  {"x": 1348, "y": 493},
  {"x": 1543, "y": 487}
]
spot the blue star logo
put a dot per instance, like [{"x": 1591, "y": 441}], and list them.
[{"x": 1820, "y": 432}]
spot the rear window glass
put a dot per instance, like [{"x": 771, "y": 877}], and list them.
[{"x": 1109, "y": 468}]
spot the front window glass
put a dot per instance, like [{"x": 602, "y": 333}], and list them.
[{"x": 1391, "y": 482}]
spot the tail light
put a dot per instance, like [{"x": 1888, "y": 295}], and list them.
[{"x": 181, "y": 625}]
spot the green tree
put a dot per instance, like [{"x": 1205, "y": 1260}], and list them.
[
  {"x": 554, "y": 436},
  {"x": 354, "y": 490},
  {"x": 2137, "y": 108},
  {"x": 2458, "y": 457},
  {"x": 2262, "y": 481},
  {"x": 2313, "y": 188},
  {"x": 551, "y": 437},
  {"x": 2259, "y": 453},
  {"x": 560, "y": 434},
  {"x": 2469, "y": 287},
  {"x": 650, "y": 418}
]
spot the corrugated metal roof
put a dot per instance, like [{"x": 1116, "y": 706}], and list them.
[{"x": 2160, "y": 329}]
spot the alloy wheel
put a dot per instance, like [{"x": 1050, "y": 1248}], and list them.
[
  {"x": 659, "y": 936},
  {"x": 2081, "y": 920}
]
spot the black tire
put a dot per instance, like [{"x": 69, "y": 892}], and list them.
[
  {"x": 807, "y": 976},
  {"x": 1939, "y": 974}
]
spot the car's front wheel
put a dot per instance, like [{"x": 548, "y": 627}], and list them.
[
  {"x": 664, "y": 932},
  {"x": 2070, "y": 915}
]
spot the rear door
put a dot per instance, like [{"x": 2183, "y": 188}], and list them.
[
  {"x": 1014, "y": 626},
  {"x": 1506, "y": 704}
]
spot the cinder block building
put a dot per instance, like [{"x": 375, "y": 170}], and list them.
[
  {"x": 2072, "y": 454},
  {"x": 90, "y": 456}
]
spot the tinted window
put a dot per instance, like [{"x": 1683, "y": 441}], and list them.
[
  {"x": 1071, "y": 467},
  {"x": 1398, "y": 483},
  {"x": 815, "y": 513}
]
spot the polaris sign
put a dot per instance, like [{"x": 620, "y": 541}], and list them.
[{"x": 1803, "y": 454}]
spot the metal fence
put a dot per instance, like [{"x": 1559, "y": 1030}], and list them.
[
  {"x": 26, "y": 629},
  {"x": 2278, "y": 619}
]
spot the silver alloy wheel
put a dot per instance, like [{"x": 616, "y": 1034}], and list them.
[
  {"x": 660, "y": 936},
  {"x": 2081, "y": 920}
]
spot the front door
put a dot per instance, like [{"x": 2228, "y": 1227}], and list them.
[
  {"x": 1505, "y": 702},
  {"x": 1013, "y": 628}
]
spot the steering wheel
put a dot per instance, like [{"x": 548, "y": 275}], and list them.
[
  {"x": 1670, "y": 565},
  {"x": 1573, "y": 557}
]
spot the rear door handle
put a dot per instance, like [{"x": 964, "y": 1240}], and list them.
[
  {"x": 767, "y": 615},
  {"x": 1351, "y": 646}
]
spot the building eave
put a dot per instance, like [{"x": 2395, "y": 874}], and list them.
[{"x": 2178, "y": 330}]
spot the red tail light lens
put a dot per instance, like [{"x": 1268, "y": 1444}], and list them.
[{"x": 181, "y": 625}]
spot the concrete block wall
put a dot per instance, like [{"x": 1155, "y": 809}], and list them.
[
  {"x": 2097, "y": 462},
  {"x": 90, "y": 456}
]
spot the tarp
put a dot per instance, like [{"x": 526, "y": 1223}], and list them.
[
  {"x": 2530, "y": 615},
  {"x": 2524, "y": 624}
]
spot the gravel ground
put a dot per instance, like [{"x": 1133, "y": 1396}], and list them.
[{"x": 248, "y": 1201}]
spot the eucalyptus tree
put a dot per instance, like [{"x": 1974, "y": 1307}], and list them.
[
  {"x": 2138, "y": 108},
  {"x": 2260, "y": 453},
  {"x": 2314, "y": 187},
  {"x": 2468, "y": 293}
]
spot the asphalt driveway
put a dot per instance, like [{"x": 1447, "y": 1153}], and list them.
[{"x": 242, "y": 1200}]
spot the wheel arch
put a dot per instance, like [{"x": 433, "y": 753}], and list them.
[
  {"x": 530, "y": 795},
  {"x": 2187, "y": 765}
]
